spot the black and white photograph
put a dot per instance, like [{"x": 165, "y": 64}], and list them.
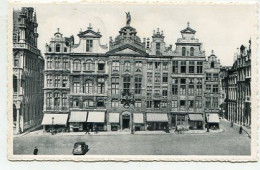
[{"x": 97, "y": 81}]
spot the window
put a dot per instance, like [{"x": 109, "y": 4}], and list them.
[
  {"x": 215, "y": 88},
  {"x": 65, "y": 64},
  {"x": 164, "y": 104},
  {"x": 16, "y": 63},
  {"x": 75, "y": 103},
  {"x": 212, "y": 64},
  {"x": 126, "y": 85},
  {"x": 215, "y": 76},
  {"x": 100, "y": 103},
  {"x": 56, "y": 100},
  {"x": 165, "y": 66},
  {"x": 215, "y": 102},
  {"x": 64, "y": 100},
  {"x": 191, "y": 51},
  {"x": 49, "y": 63},
  {"x": 89, "y": 45},
  {"x": 182, "y": 103},
  {"x": 49, "y": 81},
  {"x": 127, "y": 66},
  {"x": 114, "y": 103},
  {"x": 199, "y": 67},
  {"x": 157, "y": 65},
  {"x": 183, "y": 67},
  {"x": 149, "y": 104},
  {"x": 191, "y": 67},
  {"x": 208, "y": 76},
  {"x": 138, "y": 85},
  {"x": 199, "y": 87},
  {"x": 149, "y": 65},
  {"x": 208, "y": 102},
  {"x": 164, "y": 92},
  {"x": 174, "y": 104},
  {"x": 76, "y": 65},
  {"x": 115, "y": 85},
  {"x": 48, "y": 99},
  {"x": 183, "y": 51},
  {"x": 175, "y": 89},
  {"x": 88, "y": 87},
  {"x": 101, "y": 66},
  {"x": 65, "y": 49},
  {"x": 138, "y": 103},
  {"x": 76, "y": 87},
  {"x": 157, "y": 104},
  {"x": 87, "y": 66},
  {"x": 165, "y": 78},
  {"x": 191, "y": 88},
  {"x": 138, "y": 66},
  {"x": 157, "y": 77},
  {"x": 115, "y": 66},
  {"x": 57, "y": 63},
  {"x": 149, "y": 77},
  {"x": 149, "y": 91},
  {"x": 208, "y": 88},
  {"x": 158, "y": 46},
  {"x": 183, "y": 87},
  {"x": 88, "y": 103},
  {"x": 57, "y": 47},
  {"x": 57, "y": 82},
  {"x": 175, "y": 67},
  {"x": 190, "y": 103},
  {"x": 50, "y": 49},
  {"x": 199, "y": 104}
]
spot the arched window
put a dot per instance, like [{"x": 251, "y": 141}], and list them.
[
  {"x": 76, "y": 65},
  {"x": 57, "y": 47},
  {"x": 183, "y": 51},
  {"x": 212, "y": 64},
  {"x": 191, "y": 51}
]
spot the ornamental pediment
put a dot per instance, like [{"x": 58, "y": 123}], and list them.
[
  {"x": 127, "y": 50},
  {"x": 89, "y": 33}
]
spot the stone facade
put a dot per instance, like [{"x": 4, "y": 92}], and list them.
[
  {"x": 28, "y": 65},
  {"x": 132, "y": 85}
]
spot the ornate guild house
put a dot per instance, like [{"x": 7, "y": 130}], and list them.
[{"x": 129, "y": 85}]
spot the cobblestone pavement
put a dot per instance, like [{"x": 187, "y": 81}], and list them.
[{"x": 227, "y": 142}]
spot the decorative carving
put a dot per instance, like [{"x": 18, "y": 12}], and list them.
[{"x": 128, "y": 18}]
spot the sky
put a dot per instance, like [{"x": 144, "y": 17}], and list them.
[{"x": 222, "y": 28}]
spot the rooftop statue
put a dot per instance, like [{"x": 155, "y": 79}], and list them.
[{"x": 128, "y": 18}]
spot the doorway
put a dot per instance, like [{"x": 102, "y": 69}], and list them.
[{"x": 126, "y": 122}]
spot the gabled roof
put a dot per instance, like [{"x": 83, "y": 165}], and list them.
[
  {"x": 188, "y": 30},
  {"x": 90, "y": 33},
  {"x": 127, "y": 49}
]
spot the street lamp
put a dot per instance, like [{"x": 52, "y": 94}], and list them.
[{"x": 207, "y": 122}]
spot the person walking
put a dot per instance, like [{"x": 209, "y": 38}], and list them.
[
  {"x": 240, "y": 130},
  {"x": 35, "y": 151}
]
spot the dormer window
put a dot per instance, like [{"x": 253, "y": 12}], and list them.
[
  {"x": 191, "y": 51},
  {"x": 49, "y": 49},
  {"x": 212, "y": 64},
  {"x": 57, "y": 47},
  {"x": 183, "y": 51},
  {"x": 89, "y": 45}
]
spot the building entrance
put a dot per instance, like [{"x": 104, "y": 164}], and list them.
[{"x": 126, "y": 122}]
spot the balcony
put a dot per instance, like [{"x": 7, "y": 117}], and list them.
[
  {"x": 157, "y": 95},
  {"x": 26, "y": 46}
]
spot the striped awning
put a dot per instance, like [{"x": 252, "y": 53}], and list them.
[
  {"x": 114, "y": 117},
  {"x": 195, "y": 117},
  {"x": 213, "y": 118},
  {"x": 77, "y": 116},
  {"x": 157, "y": 117},
  {"x": 55, "y": 119},
  {"x": 96, "y": 117},
  {"x": 138, "y": 118}
]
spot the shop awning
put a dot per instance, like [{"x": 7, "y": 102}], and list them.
[
  {"x": 114, "y": 117},
  {"x": 76, "y": 116},
  {"x": 157, "y": 117},
  {"x": 213, "y": 118},
  {"x": 138, "y": 118},
  {"x": 195, "y": 117},
  {"x": 55, "y": 119},
  {"x": 96, "y": 117}
]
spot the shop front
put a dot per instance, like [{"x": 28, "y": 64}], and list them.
[
  {"x": 157, "y": 121},
  {"x": 114, "y": 121},
  {"x": 195, "y": 121},
  {"x": 57, "y": 122},
  {"x": 138, "y": 121},
  {"x": 77, "y": 121},
  {"x": 96, "y": 121},
  {"x": 213, "y": 120}
]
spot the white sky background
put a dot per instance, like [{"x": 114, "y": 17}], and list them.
[{"x": 222, "y": 28}]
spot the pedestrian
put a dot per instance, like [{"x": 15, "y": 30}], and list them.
[
  {"x": 231, "y": 124},
  {"x": 35, "y": 151},
  {"x": 240, "y": 130}
]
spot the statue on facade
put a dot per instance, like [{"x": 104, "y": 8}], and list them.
[{"x": 128, "y": 18}]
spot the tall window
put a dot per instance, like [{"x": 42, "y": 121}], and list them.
[
  {"x": 100, "y": 103},
  {"x": 183, "y": 51},
  {"x": 208, "y": 102},
  {"x": 215, "y": 88},
  {"x": 115, "y": 65},
  {"x": 183, "y": 87},
  {"x": 88, "y": 65},
  {"x": 164, "y": 92},
  {"x": 49, "y": 81},
  {"x": 165, "y": 66},
  {"x": 191, "y": 88},
  {"x": 56, "y": 101},
  {"x": 149, "y": 104},
  {"x": 75, "y": 103},
  {"x": 190, "y": 103},
  {"x": 76, "y": 87},
  {"x": 198, "y": 104},
  {"x": 89, "y": 45},
  {"x": 65, "y": 49},
  {"x": 65, "y": 64},
  {"x": 157, "y": 77},
  {"x": 149, "y": 65},
  {"x": 57, "y": 63},
  {"x": 16, "y": 63},
  {"x": 149, "y": 77},
  {"x": 138, "y": 85},
  {"x": 157, "y": 65},
  {"x": 174, "y": 103},
  {"x": 165, "y": 78},
  {"x": 182, "y": 104},
  {"x": 88, "y": 103},
  {"x": 199, "y": 87},
  {"x": 149, "y": 91},
  {"x": 57, "y": 47},
  {"x": 199, "y": 67},
  {"x": 138, "y": 103},
  {"x": 158, "y": 46},
  {"x": 127, "y": 66},
  {"x": 126, "y": 85},
  {"x": 175, "y": 87},
  {"x": 183, "y": 67},
  {"x": 157, "y": 104},
  {"x": 215, "y": 76},
  {"x": 191, "y": 67},
  {"x": 57, "y": 81},
  {"x": 215, "y": 102},
  {"x": 212, "y": 64},
  {"x": 101, "y": 85},
  {"x": 191, "y": 51},
  {"x": 101, "y": 65},
  {"x": 48, "y": 100},
  {"x": 138, "y": 66},
  {"x": 88, "y": 87},
  {"x": 64, "y": 100},
  {"x": 115, "y": 85},
  {"x": 76, "y": 65},
  {"x": 114, "y": 103},
  {"x": 175, "y": 67},
  {"x": 49, "y": 63},
  {"x": 208, "y": 88},
  {"x": 164, "y": 104}
]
